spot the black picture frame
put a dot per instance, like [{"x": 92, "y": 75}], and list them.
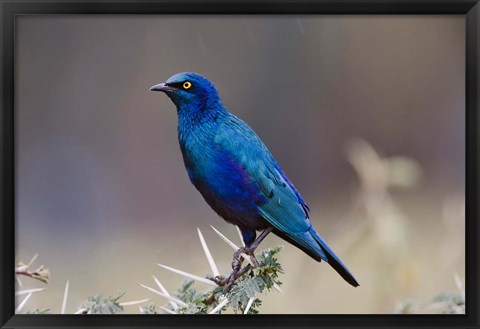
[{"x": 11, "y": 8}]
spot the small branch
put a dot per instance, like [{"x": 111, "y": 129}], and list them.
[{"x": 42, "y": 273}]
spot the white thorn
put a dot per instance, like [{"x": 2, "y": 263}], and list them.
[
  {"x": 65, "y": 295},
  {"x": 219, "y": 306},
  {"x": 28, "y": 291},
  {"x": 458, "y": 281},
  {"x": 22, "y": 304},
  {"x": 165, "y": 291},
  {"x": 211, "y": 262},
  {"x": 80, "y": 311},
  {"x": 22, "y": 268},
  {"x": 233, "y": 245},
  {"x": 224, "y": 238},
  {"x": 277, "y": 288},
  {"x": 167, "y": 310},
  {"x": 240, "y": 235},
  {"x": 249, "y": 304},
  {"x": 32, "y": 260},
  {"x": 135, "y": 302},
  {"x": 189, "y": 276},
  {"x": 176, "y": 300},
  {"x": 160, "y": 285},
  {"x": 20, "y": 284}
]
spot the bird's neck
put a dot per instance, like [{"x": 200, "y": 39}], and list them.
[{"x": 199, "y": 122}]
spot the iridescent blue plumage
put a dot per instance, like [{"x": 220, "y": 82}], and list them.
[{"x": 236, "y": 173}]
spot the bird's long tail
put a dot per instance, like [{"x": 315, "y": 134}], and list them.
[{"x": 333, "y": 260}]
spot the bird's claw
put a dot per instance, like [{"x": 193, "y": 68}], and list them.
[
  {"x": 254, "y": 261},
  {"x": 237, "y": 257},
  {"x": 237, "y": 271}
]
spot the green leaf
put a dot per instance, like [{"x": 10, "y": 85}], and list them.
[{"x": 100, "y": 304}]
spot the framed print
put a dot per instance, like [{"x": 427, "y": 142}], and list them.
[{"x": 226, "y": 164}]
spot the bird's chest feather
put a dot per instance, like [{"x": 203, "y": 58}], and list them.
[{"x": 224, "y": 182}]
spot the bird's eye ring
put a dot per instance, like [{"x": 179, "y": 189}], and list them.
[{"x": 187, "y": 85}]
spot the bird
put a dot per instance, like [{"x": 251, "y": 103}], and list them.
[{"x": 237, "y": 175}]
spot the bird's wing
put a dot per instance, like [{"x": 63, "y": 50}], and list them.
[
  {"x": 285, "y": 212},
  {"x": 284, "y": 208}
]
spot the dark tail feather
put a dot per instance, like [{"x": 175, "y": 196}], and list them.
[
  {"x": 313, "y": 244},
  {"x": 333, "y": 260}
]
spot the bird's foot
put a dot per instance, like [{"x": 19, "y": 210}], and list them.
[
  {"x": 238, "y": 257},
  {"x": 237, "y": 270},
  {"x": 250, "y": 249}
]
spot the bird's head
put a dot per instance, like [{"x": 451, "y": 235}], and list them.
[{"x": 189, "y": 89}]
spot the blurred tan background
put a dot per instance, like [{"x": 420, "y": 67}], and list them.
[{"x": 364, "y": 113}]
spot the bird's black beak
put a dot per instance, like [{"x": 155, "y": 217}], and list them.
[{"x": 162, "y": 87}]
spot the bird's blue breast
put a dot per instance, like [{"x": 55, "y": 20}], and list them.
[{"x": 227, "y": 186}]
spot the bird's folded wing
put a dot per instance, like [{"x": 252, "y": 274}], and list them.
[
  {"x": 284, "y": 208},
  {"x": 285, "y": 213}
]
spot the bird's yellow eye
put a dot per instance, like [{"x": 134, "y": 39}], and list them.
[{"x": 187, "y": 85}]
